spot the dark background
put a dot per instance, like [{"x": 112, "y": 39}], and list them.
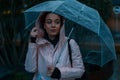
[{"x": 13, "y": 38}]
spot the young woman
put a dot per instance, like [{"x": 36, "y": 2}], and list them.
[{"x": 48, "y": 53}]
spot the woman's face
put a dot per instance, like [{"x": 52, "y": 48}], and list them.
[{"x": 52, "y": 24}]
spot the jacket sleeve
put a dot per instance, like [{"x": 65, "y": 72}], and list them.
[
  {"x": 31, "y": 58},
  {"x": 78, "y": 67}
]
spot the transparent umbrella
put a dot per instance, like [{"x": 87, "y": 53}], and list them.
[{"x": 91, "y": 33}]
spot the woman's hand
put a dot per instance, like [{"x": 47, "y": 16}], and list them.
[
  {"x": 35, "y": 32},
  {"x": 50, "y": 70},
  {"x": 54, "y": 72}
]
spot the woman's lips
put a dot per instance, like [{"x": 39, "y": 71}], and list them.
[{"x": 53, "y": 30}]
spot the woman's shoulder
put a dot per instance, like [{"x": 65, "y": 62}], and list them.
[
  {"x": 41, "y": 41},
  {"x": 71, "y": 40}
]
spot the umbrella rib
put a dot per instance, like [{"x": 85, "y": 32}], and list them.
[
  {"x": 30, "y": 24},
  {"x": 59, "y": 5}
]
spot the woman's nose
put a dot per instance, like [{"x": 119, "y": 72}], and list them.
[{"x": 53, "y": 24}]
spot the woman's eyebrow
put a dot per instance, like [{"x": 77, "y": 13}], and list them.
[
  {"x": 48, "y": 19},
  {"x": 57, "y": 19},
  {"x": 51, "y": 19}
]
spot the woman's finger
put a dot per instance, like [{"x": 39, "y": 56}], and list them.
[{"x": 50, "y": 70}]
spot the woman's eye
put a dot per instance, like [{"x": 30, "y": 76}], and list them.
[
  {"x": 57, "y": 22},
  {"x": 48, "y": 22}
]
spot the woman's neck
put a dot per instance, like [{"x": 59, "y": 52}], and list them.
[
  {"x": 54, "y": 39},
  {"x": 51, "y": 37}
]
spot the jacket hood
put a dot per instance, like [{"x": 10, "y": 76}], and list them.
[{"x": 41, "y": 39}]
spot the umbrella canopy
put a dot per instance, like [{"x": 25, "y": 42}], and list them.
[
  {"x": 96, "y": 49},
  {"x": 72, "y": 10},
  {"x": 89, "y": 28}
]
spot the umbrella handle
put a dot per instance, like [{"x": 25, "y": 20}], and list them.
[{"x": 62, "y": 49}]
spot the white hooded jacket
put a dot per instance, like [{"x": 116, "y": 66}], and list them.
[{"x": 42, "y": 54}]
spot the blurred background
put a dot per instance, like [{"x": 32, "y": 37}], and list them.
[{"x": 13, "y": 38}]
